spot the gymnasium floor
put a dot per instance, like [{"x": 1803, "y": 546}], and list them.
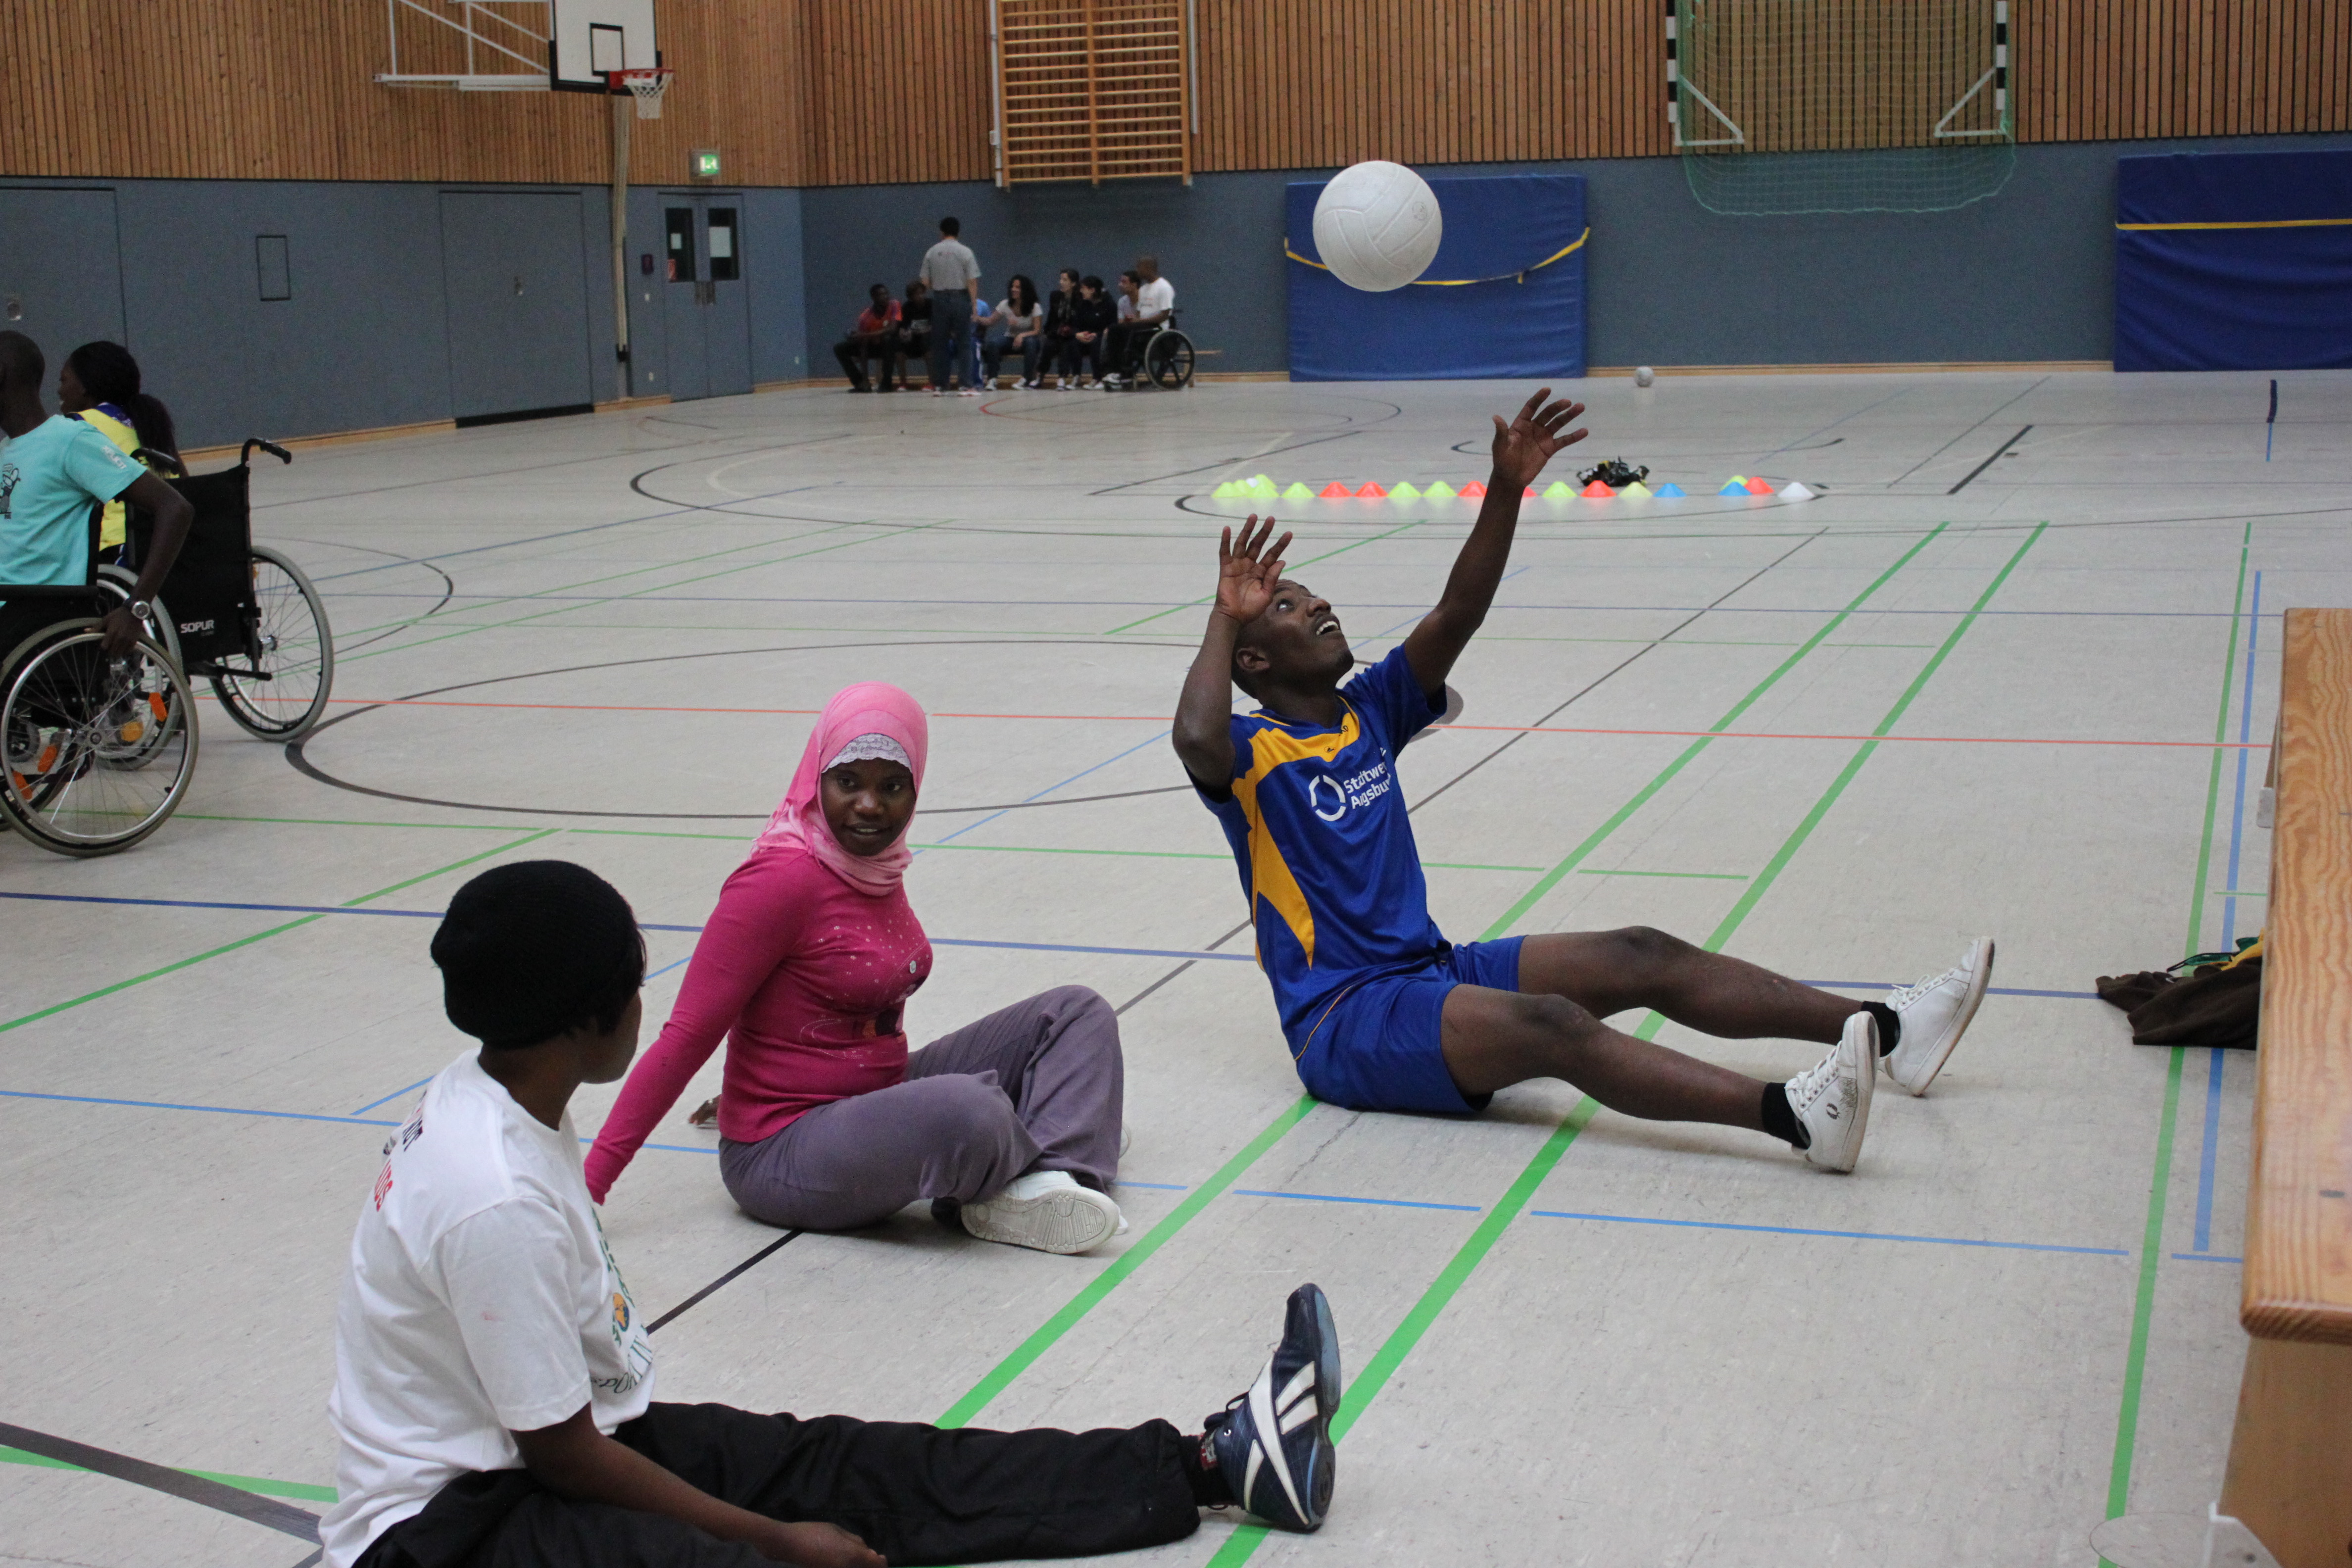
[{"x": 1571, "y": 1337}]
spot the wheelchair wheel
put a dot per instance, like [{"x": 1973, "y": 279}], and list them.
[
  {"x": 284, "y": 688},
  {"x": 1168, "y": 359},
  {"x": 116, "y": 582},
  {"x": 98, "y": 751}
]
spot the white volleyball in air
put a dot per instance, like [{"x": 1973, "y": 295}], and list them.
[{"x": 1377, "y": 226}]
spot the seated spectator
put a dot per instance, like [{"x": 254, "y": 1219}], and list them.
[
  {"x": 1152, "y": 300},
  {"x": 914, "y": 339},
  {"x": 1019, "y": 326},
  {"x": 983, "y": 323},
  {"x": 1091, "y": 319},
  {"x": 1059, "y": 330},
  {"x": 871, "y": 338}
]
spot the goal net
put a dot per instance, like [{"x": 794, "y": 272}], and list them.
[{"x": 1835, "y": 106}]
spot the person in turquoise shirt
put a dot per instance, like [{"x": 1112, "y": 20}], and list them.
[{"x": 53, "y": 470}]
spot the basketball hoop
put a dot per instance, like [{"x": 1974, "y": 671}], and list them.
[{"x": 647, "y": 86}]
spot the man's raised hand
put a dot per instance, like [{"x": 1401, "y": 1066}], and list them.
[
  {"x": 1523, "y": 447},
  {"x": 1247, "y": 572}
]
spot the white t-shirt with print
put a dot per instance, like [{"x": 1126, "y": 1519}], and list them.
[{"x": 481, "y": 1301}]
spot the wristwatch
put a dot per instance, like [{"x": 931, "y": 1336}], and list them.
[{"x": 141, "y": 609}]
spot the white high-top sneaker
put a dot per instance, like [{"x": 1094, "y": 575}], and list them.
[
  {"x": 1935, "y": 1013},
  {"x": 1046, "y": 1210},
  {"x": 1832, "y": 1099}
]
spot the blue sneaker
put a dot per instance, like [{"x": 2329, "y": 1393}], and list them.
[{"x": 1274, "y": 1443}]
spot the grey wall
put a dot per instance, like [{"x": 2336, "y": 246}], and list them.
[
  {"x": 2025, "y": 275},
  {"x": 364, "y": 341}
]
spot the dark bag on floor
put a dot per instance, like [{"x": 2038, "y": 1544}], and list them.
[{"x": 2218, "y": 1003}]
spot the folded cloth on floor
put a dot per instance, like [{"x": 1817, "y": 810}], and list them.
[{"x": 2218, "y": 1003}]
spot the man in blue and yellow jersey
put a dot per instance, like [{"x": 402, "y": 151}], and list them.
[{"x": 1381, "y": 1011}]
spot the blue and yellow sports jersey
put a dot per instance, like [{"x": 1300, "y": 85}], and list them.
[{"x": 1317, "y": 820}]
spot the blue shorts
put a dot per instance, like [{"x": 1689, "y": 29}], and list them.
[{"x": 1378, "y": 1045}]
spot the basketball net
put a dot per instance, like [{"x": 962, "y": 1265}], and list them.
[{"x": 646, "y": 86}]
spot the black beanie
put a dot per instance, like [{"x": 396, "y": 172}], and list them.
[{"x": 530, "y": 950}]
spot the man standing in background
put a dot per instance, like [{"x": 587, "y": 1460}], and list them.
[{"x": 951, "y": 272}]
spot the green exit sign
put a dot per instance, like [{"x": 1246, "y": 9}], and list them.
[{"x": 706, "y": 163}]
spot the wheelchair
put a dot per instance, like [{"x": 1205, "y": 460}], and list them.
[
  {"x": 1166, "y": 358},
  {"x": 97, "y": 749}
]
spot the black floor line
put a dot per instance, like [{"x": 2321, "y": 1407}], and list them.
[
  {"x": 723, "y": 1280},
  {"x": 250, "y": 1505},
  {"x": 1964, "y": 434},
  {"x": 1998, "y": 452}
]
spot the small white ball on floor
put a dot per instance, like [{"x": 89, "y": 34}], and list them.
[{"x": 1644, "y": 375}]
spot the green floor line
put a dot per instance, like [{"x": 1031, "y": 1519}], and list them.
[
  {"x": 1763, "y": 880},
  {"x": 1002, "y": 1375},
  {"x": 175, "y": 967},
  {"x": 1423, "y": 1314},
  {"x": 2159, "y": 1184},
  {"x": 1593, "y": 840},
  {"x": 1211, "y": 599},
  {"x": 301, "y": 1490},
  {"x": 1692, "y": 876}
]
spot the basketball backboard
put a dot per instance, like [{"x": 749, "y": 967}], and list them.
[{"x": 594, "y": 36}]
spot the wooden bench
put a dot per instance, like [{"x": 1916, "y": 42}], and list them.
[{"x": 2290, "y": 1473}]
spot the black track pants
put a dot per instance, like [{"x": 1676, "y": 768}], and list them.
[{"x": 916, "y": 1494}]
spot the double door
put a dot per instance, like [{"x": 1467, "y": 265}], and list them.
[{"x": 706, "y": 318}]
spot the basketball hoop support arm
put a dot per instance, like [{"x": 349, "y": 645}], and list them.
[{"x": 621, "y": 117}]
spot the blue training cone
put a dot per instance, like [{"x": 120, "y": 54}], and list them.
[
  {"x": 1668, "y": 490},
  {"x": 1733, "y": 488}
]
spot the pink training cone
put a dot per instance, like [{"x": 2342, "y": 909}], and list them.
[
  {"x": 1760, "y": 487},
  {"x": 1596, "y": 490},
  {"x": 1472, "y": 491},
  {"x": 1335, "y": 490},
  {"x": 1530, "y": 493},
  {"x": 1371, "y": 487}
]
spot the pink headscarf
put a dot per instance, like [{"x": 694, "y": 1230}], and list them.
[{"x": 869, "y": 708}]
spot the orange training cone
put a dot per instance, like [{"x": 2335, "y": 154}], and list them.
[
  {"x": 1472, "y": 491},
  {"x": 1371, "y": 487},
  {"x": 1335, "y": 490},
  {"x": 1530, "y": 493},
  {"x": 1596, "y": 490},
  {"x": 1760, "y": 487}
]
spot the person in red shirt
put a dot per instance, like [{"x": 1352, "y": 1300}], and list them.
[
  {"x": 1010, "y": 1125},
  {"x": 869, "y": 338}
]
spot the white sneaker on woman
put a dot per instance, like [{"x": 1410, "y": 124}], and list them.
[
  {"x": 1832, "y": 1099},
  {"x": 1046, "y": 1210}
]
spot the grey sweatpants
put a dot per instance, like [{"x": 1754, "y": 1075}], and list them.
[{"x": 1038, "y": 1086}]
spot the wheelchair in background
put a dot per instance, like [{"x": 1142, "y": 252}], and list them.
[{"x": 97, "y": 749}]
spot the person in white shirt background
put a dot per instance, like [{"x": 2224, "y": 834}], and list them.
[
  {"x": 951, "y": 272},
  {"x": 1154, "y": 302}
]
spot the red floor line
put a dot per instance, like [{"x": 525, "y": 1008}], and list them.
[{"x": 1496, "y": 728}]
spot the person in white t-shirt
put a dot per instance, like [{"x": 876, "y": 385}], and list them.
[
  {"x": 1154, "y": 302},
  {"x": 494, "y": 1378}
]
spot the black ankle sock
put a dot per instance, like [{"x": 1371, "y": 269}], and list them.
[
  {"x": 1780, "y": 1118},
  {"x": 1890, "y": 1024},
  {"x": 1209, "y": 1488}
]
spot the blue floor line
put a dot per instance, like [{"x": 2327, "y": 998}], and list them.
[
  {"x": 1336, "y": 1198},
  {"x": 2206, "y": 1159},
  {"x": 1049, "y": 789},
  {"x": 1841, "y": 1235},
  {"x": 2205, "y": 1258},
  {"x": 395, "y": 1094}
]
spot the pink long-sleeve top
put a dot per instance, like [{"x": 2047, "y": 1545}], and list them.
[{"x": 806, "y": 978}]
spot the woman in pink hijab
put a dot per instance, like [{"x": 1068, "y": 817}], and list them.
[{"x": 826, "y": 1122}]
